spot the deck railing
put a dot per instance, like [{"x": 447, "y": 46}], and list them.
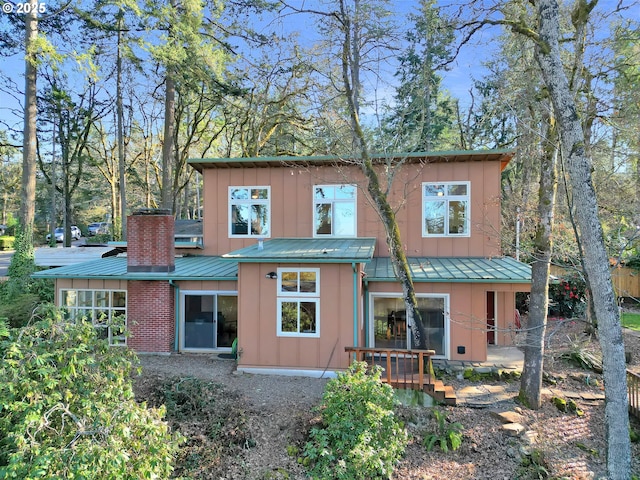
[
  {"x": 633, "y": 387},
  {"x": 410, "y": 369}
]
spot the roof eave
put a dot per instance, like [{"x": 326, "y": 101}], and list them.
[
  {"x": 451, "y": 280},
  {"x": 295, "y": 260}
]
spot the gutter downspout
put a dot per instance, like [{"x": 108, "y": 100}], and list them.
[
  {"x": 365, "y": 291},
  {"x": 176, "y": 312},
  {"x": 355, "y": 304}
]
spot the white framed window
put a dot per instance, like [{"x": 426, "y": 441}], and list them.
[
  {"x": 249, "y": 211},
  {"x": 106, "y": 309},
  {"x": 334, "y": 211},
  {"x": 445, "y": 209},
  {"x": 298, "y": 302}
]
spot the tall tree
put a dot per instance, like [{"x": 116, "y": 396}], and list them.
[
  {"x": 531, "y": 381},
  {"x": 596, "y": 260},
  {"x": 29, "y": 142},
  {"x": 422, "y": 118}
]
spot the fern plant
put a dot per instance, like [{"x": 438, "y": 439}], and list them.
[{"x": 447, "y": 435}]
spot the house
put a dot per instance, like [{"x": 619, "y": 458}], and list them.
[{"x": 293, "y": 262}]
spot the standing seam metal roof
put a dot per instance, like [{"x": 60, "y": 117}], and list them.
[
  {"x": 453, "y": 269},
  {"x": 317, "y": 250},
  {"x": 187, "y": 268}
]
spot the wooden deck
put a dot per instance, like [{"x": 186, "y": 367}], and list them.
[{"x": 408, "y": 369}]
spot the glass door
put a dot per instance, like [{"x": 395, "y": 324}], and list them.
[
  {"x": 390, "y": 328},
  {"x": 209, "y": 320},
  {"x": 200, "y": 322}
]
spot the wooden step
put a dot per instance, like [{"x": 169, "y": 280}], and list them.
[{"x": 441, "y": 392}]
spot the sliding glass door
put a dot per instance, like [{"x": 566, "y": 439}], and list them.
[
  {"x": 209, "y": 321},
  {"x": 390, "y": 329}
]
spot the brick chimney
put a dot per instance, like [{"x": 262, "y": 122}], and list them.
[{"x": 150, "y": 241}]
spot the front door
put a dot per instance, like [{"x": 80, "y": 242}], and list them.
[{"x": 491, "y": 318}]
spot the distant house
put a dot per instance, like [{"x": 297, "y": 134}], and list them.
[{"x": 293, "y": 262}]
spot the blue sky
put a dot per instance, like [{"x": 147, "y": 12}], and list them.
[{"x": 457, "y": 81}]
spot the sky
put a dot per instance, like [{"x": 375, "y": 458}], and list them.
[{"x": 458, "y": 80}]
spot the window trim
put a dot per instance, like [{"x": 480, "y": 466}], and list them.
[
  {"x": 332, "y": 202},
  {"x": 249, "y": 202},
  {"x": 114, "y": 340},
  {"x": 297, "y": 297},
  {"x": 447, "y": 199}
]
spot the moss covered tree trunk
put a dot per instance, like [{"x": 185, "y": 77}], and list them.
[
  {"x": 531, "y": 381},
  {"x": 350, "y": 75},
  {"x": 596, "y": 259}
]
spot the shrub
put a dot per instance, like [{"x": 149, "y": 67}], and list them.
[
  {"x": 20, "y": 309},
  {"x": 68, "y": 409},
  {"x": 359, "y": 436},
  {"x": 567, "y": 297},
  {"x": 7, "y": 242}
]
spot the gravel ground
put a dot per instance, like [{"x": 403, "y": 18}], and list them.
[{"x": 279, "y": 412}]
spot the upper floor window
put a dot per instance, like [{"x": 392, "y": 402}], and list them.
[
  {"x": 249, "y": 211},
  {"x": 445, "y": 209},
  {"x": 334, "y": 211},
  {"x": 298, "y": 302},
  {"x": 106, "y": 309}
]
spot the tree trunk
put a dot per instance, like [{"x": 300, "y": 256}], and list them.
[
  {"x": 595, "y": 255},
  {"x": 531, "y": 380},
  {"x": 168, "y": 146},
  {"x": 379, "y": 198},
  {"x": 27, "y": 208},
  {"x": 121, "y": 155}
]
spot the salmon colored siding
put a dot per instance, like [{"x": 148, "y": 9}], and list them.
[
  {"x": 84, "y": 284},
  {"x": 258, "y": 342},
  {"x": 292, "y": 206},
  {"x": 468, "y": 313}
]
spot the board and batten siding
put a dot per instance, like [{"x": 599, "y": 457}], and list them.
[
  {"x": 258, "y": 342},
  {"x": 292, "y": 206}
]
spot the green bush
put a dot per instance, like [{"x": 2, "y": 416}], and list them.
[
  {"x": 359, "y": 436},
  {"x": 567, "y": 297},
  {"x": 20, "y": 309},
  {"x": 68, "y": 409},
  {"x": 7, "y": 242}
]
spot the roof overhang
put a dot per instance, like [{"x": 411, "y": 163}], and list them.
[
  {"x": 312, "y": 250},
  {"x": 58, "y": 257},
  {"x": 502, "y": 155},
  {"x": 115, "y": 268},
  {"x": 453, "y": 270}
]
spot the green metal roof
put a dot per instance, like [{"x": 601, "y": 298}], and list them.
[
  {"x": 316, "y": 250},
  {"x": 115, "y": 268},
  {"x": 453, "y": 269},
  {"x": 503, "y": 155}
]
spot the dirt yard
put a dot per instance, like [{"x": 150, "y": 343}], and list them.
[{"x": 271, "y": 416}]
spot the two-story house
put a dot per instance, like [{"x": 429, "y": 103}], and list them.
[{"x": 294, "y": 264}]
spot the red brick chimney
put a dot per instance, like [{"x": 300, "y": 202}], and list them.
[
  {"x": 150, "y": 241},
  {"x": 151, "y": 311}
]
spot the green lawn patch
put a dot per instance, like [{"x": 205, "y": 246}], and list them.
[{"x": 631, "y": 320}]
